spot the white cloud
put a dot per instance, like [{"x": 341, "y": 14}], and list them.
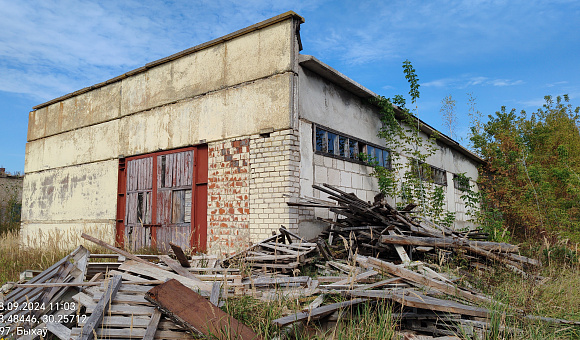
[
  {"x": 505, "y": 82},
  {"x": 557, "y": 83},
  {"x": 438, "y": 83},
  {"x": 50, "y": 48},
  {"x": 465, "y": 81},
  {"x": 536, "y": 103}
]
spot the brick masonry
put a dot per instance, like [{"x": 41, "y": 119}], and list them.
[
  {"x": 228, "y": 195},
  {"x": 249, "y": 182},
  {"x": 274, "y": 181}
]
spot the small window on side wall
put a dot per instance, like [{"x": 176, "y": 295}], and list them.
[{"x": 335, "y": 144}]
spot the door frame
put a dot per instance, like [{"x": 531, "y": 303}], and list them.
[{"x": 198, "y": 223}]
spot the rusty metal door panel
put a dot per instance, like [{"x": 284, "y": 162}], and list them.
[{"x": 160, "y": 196}]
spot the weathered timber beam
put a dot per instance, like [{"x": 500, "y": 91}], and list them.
[
  {"x": 180, "y": 255},
  {"x": 115, "y": 249},
  {"x": 448, "y": 242},
  {"x": 315, "y": 313},
  {"x": 96, "y": 317},
  {"x": 421, "y": 279}
]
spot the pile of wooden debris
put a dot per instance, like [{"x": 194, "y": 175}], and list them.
[{"x": 365, "y": 257}]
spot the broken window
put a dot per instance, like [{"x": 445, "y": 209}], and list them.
[
  {"x": 342, "y": 146},
  {"x": 353, "y": 149},
  {"x": 429, "y": 173},
  {"x": 461, "y": 182}
]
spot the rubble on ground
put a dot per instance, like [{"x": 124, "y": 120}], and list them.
[{"x": 365, "y": 257}]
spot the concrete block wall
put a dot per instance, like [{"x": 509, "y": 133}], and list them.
[
  {"x": 229, "y": 88},
  {"x": 228, "y": 195},
  {"x": 274, "y": 180}
]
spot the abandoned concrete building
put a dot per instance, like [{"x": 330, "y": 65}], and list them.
[
  {"x": 10, "y": 198},
  {"x": 205, "y": 147}
]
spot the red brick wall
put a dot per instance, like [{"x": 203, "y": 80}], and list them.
[{"x": 228, "y": 196}]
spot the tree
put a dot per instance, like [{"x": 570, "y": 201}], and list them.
[
  {"x": 530, "y": 181},
  {"x": 448, "y": 114},
  {"x": 409, "y": 182}
]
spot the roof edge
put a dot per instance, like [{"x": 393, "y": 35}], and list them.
[
  {"x": 230, "y": 36},
  {"x": 313, "y": 64}
]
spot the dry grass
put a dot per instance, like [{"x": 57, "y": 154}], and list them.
[
  {"x": 557, "y": 297},
  {"x": 43, "y": 249}
]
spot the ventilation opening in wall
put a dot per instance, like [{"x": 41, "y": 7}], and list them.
[{"x": 265, "y": 133}]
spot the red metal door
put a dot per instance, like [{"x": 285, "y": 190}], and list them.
[{"x": 160, "y": 195}]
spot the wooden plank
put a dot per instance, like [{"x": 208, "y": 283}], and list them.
[
  {"x": 59, "y": 330},
  {"x": 180, "y": 255},
  {"x": 160, "y": 274},
  {"x": 215, "y": 293},
  {"x": 448, "y": 242},
  {"x": 417, "y": 300},
  {"x": 84, "y": 284},
  {"x": 124, "y": 309},
  {"x": 135, "y": 321},
  {"x": 421, "y": 279},
  {"x": 196, "y": 313},
  {"x": 124, "y": 298},
  {"x": 355, "y": 279},
  {"x": 116, "y": 250},
  {"x": 152, "y": 326},
  {"x": 274, "y": 281},
  {"x": 177, "y": 267},
  {"x": 129, "y": 277},
  {"x": 315, "y": 313},
  {"x": 97, "y": 316},
  {"x": 413, "y": 298},
  {"x": 258, "y": 258},
  {"x": 400, "y": 250},
  {"x": 281, "y": 247}
]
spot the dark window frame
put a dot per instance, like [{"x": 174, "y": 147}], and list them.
[
  {"x": 433, "y": 169},
  {"x": 458, "y": 185},
  {"x": 361, "y": 145}
]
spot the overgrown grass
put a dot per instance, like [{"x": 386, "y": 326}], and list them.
[
  {"x": 558, "y": 296},
  {"x": 43, "y": 249},
  {"x": 364, "y": 321},
  {"x": 551, "y": 292}
]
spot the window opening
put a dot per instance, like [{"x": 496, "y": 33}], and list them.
[{"x": 338, "y": 145}]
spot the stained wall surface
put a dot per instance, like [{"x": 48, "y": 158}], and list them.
[
  {"x": 325, "y": 104},
  {"x": 237, "y": 86}
]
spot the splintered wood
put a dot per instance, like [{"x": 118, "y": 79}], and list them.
[
  {"x": 283, "y": 252},
  {"x": 368, "y": 255},
  {"x": 379, "y": 230}
]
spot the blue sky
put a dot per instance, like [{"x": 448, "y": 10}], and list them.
[{"x": 510, "y": 53}]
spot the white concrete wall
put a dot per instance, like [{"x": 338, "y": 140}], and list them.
[
  {"x": 234, "y": 88},
  {"x": 324, "y": 103}
]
